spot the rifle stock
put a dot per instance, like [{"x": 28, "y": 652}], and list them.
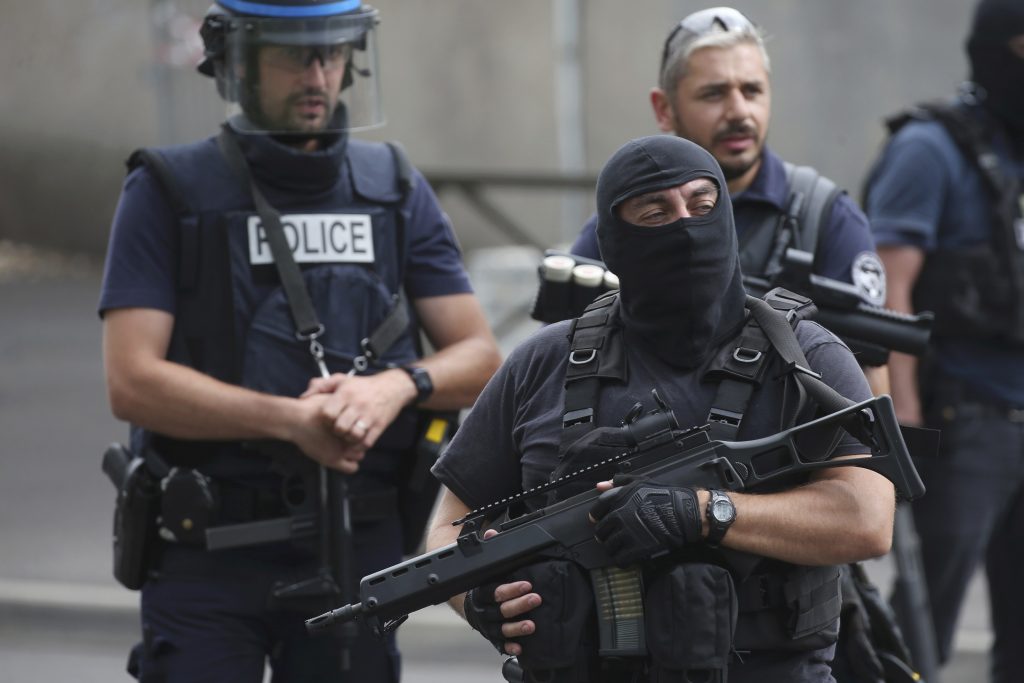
[{"x": 563, "y": 531}]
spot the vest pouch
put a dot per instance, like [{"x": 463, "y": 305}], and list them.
[
  {"x": 351, "y": 302},
  {"x": 691, "y": 615},
  {"x": 562, "y": 647},
  {"x": 970, "y": 294},
  {"x": 790, "y": 609}
]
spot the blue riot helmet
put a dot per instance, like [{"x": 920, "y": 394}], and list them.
[{"x": 295, "y": 66}]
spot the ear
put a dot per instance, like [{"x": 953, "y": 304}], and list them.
[{"x": 663, "y": 113}]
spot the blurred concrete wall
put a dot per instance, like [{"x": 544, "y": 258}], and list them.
[{"x": 468, "y": 84}]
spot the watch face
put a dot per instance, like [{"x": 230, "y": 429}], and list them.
[{"x": 722, "y": 510}]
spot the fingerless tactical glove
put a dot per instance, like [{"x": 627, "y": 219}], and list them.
[
  {"x": 643, "y": 519},
  {"x": 484, "y": 614}
]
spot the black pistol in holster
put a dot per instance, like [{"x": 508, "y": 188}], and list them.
[{"x": 135, "y": 515}]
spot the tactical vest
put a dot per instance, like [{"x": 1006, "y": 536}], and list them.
[
  {"x": 781, "y": 606},
  {"x": 975, "y": 291},
  {"x": 233, "y": 321},
  {"x": 808, "y": 210}
]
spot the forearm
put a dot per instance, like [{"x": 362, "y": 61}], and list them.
[
  {"x": 832, "y": 520},
  {"x": 459, "y": 373},
  {"x": 442, "y": 533},
  {"x": 146, "y": 389},
  {"x": 466, "y": 354},
  {"x": 878, "y": 379},
  {"x": 179, "y": 401}
]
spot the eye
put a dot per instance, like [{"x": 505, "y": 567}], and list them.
[
  {"x": 752, "y": 91},
  {"x": 702, "y": 207},
  {"x": 654, "y": 217}
]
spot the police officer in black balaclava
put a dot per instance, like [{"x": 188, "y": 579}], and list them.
[
  {"x": 680, "y": 283},
  {"x": 945, "y": 200},
  {"x": 996, "y": 51},
  {"x": 665, "y": 227}
]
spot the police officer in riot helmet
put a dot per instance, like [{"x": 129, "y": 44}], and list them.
[
  {"x": 945, "y": 198},
  {"x": 205, "y": 357},
  {"x": 665, "y": 221}
]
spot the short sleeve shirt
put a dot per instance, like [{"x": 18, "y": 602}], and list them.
[{"x": 924, "y": 193}]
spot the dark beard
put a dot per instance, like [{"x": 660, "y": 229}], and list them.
[{"x": 733, "y": 171}]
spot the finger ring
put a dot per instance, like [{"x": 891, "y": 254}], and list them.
[{"x": 360, "y": 425}]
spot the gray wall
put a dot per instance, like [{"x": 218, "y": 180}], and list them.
[{"x": 468, "y": 84}]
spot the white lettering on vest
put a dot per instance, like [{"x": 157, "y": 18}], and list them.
[{"x": 317, "y": 238}]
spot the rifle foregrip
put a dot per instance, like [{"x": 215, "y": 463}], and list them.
[{"x": 335, "y": 616}]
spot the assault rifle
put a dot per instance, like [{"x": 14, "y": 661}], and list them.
[{"x": 659, "y": 451}]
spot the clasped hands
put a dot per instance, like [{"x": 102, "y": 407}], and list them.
[{"x": 344, "y": 415}]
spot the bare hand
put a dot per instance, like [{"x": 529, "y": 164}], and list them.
[
  {"x": 361, "y": 407},
  {"x": 513, "y": 600},
  {"x": 316, "y": 438}
]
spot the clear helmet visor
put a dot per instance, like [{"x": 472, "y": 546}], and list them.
[{"x": 318, "y": 75}]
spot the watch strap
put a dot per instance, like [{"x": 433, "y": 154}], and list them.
[{"x": 420, "y": 378}]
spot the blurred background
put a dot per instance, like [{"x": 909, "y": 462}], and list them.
[{"x": 510, "y": 108}]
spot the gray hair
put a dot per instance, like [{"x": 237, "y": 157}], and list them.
[{"x": 685, "y": 43}]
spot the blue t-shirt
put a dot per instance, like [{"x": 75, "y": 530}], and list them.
[
  {"x": 924, "y": 193},
  {"x": 142, "y": 256},
  {"x": 844, "y": 237}
]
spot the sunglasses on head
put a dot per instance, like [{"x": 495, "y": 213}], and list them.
[{"x": 705, "y": 21}]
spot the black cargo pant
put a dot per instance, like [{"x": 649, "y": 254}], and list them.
[
  {"x": 974, "y": 512},
  {"x": 206, "y": 618}
]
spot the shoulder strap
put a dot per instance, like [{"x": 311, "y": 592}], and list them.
[
  {"x": 739, "y": 366},
  {"x": 808, "y": 210},
  {"x": 307, "y": 326},
  {"x": 596, "y": 354},
  {"x": 155, "y": 162},
  {"x": 780, "y": 332},
  {"x": 188, "y": 237}
]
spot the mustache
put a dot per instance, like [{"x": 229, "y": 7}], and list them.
[{"x": 732, "y": 129}]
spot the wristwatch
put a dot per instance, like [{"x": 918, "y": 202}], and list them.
[
  {"x": 721, "y": 514},
  {"x": 421, "y": 378}
]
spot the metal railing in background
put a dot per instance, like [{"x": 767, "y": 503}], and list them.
[
  {"x": 472, "y": 186},
  {"x": 507, "y": 312}
]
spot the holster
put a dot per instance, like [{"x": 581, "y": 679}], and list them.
[
  {"x": 419, "y": 488},
  {"x": 135, "y": 515}
]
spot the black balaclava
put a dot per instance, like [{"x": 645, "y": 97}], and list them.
[
  {"x": 680, "y": 284},
  {"x": 994, "y": 66}
]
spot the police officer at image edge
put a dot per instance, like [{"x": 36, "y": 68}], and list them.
[
  {"x": 945, "y": 199},
  {"x": 678, "y": 313},
  {"x": 202, "y": 355}
]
